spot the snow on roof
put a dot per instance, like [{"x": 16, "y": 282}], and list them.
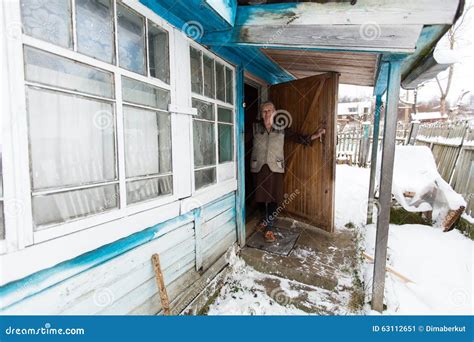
[
  {"x": 420, "y": 116},
  {"x": 353, "y": 108}
]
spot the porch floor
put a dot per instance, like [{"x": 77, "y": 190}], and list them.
[{"x": 319, "y": 276}]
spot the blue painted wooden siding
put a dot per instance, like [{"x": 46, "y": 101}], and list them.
[{"x": 118, "y": 278}]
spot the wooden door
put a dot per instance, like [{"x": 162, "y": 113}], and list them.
[{"x": 309, "y": 181}]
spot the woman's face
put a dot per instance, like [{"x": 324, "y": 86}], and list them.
[{"x": 267, "y": 112}]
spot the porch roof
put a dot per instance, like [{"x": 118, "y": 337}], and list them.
[{"x": 279, "y": 41}]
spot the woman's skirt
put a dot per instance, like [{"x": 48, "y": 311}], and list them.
[{"x": 268, "y": 185}]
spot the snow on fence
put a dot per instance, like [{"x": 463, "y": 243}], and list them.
[
  {"x": 452, "y": 145},
  {"x": 354, "y": 145}
]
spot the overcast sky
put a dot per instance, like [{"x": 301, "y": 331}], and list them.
[{"x": 463, "y": 78}]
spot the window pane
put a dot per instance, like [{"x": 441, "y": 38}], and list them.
[
  {"x": 147, "y": 142},
  {"x": 71, "y": 139},
  {"x": 1, "y": 165},
  {"x": 204, "y": 177},
  {"x": 209, "y": 87},
  {"x": 2, "y": 224},
  {"x": 204, "y": 143},
  {"x": 131, "y": 40},
  {"x": 226, "y": 148},
  {"x": 46, "y": 68},
  {"x": 205, "y": 110},
  {"x": 95, "y": 29},
  {"x": 63, "y": 206},
  {"x": 224, "y": 114},
  {"x": 158, "y": 55},
  {"x": 145, "y": 189},
  {"x": 144, "y": 94},
  {"x": 196, "y": 71},
  {"x": 229, "y": 87},
  {"x": 48, "y": 20},
  {"x": 220, "y": 82}
]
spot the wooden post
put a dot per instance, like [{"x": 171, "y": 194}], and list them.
[
  {"x": 386, "y": 176},
  {"x": 373, "y": 162},
  {"x": 240, "y": 142},
  {"x": 160, "y": 282}
]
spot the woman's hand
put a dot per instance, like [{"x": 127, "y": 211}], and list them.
[{"x": 318, "y": 134}]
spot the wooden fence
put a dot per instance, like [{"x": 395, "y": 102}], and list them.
[
  {"x": 452, "y": 145},
  {"x": 354, "y": 145}
]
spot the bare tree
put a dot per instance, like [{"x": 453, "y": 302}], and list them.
[{"x": 453, "y": 37}]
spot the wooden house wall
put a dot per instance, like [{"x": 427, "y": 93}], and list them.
[{"x": 125, "y": 284}]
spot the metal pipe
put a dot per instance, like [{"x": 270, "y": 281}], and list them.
[
  {"x": 386, "y": 176},
  {"x": 373, "y": 162}
]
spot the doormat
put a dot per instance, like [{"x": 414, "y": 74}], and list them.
[{"x": 285, "y": 241}]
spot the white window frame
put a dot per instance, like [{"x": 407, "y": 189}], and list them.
[
  {"x": 19, "y": 231},
  {"x": 225, "y": 168}
]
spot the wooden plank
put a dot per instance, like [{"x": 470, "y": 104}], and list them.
[
  {"x": 399, "y": 12},
  {"x": 215, "y": 208},
  {"x": 218, "y": 221},
  {"x": 393, "y": 38},
  {"x": 160, "y": 281}
]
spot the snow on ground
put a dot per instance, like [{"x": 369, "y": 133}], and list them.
[
  {"x": 439, "y": 264},
  {"x": 249, "y": 292},
  {"x": 352, "y": 184},
  {"x": 243, "y": 295}
]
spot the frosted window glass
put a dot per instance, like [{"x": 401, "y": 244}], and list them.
[
  {"x": 147, "y": 142},
  {"x": 144, "y": 94},
  {"x": 196, "y": 71},
  {"x": 224, "y": 114},
  {"x": 220, "y": 82},
  {"x": 46, "y": 68},
  {"x": 72, "y": 139},
  {"x": 204, "y": 143},
  {"x": 229, "y": 87},
  {"x": 209, "y": 82},
  {"x": 48, "y": 20},
  {"x": 146, "y": 189},
  {"x": 64, "y": 206},
  {"x": 131, "y": 40},
  {"x": 205, "y": 110},
  {"x": 158, "y": 44},
  {"x": 226, "y": 148},
  {"x": 204, "y": 177},
  {"x": 95, "y": 29}
]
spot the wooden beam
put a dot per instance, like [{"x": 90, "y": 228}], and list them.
[
  {"x": 227, "y": 9},
  {"x": 385, "y": 187},
  {"x": 371, "y": 37},
  {"x": 396, "y": 12},
  {"x": 240, "y": 198}
]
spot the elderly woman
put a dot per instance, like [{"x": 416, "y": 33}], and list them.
[{"x": 268, "y": 163}]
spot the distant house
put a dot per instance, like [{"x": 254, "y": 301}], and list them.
[
  {"x": 429, "y": 117},
  {"x": 352, "y": 112}
]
